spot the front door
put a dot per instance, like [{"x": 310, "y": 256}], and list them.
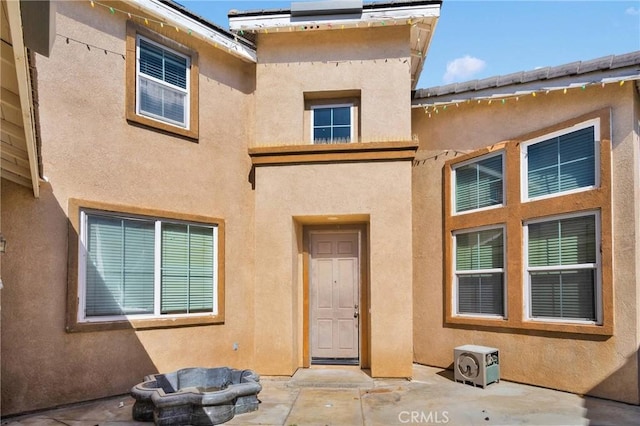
[{"x": 334, "y": 297}]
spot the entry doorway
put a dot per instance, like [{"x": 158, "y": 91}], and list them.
[{"x": 334, "y": 306}]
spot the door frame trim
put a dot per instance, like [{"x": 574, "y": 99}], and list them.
[{"x": 364, "y": 324}]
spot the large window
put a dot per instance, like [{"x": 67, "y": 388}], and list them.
[
  {"x": 479, "y": 272},
  {"x": 332, "y": 124},
  {"x": 561, "y": 162},
  {"x": 563, "y": 268},
  {"x": 134, "y": 266},
  {"x": 162, "y": 83},
  {"x": 478, "y": 184},
  {"x": 527, "y": 231}
]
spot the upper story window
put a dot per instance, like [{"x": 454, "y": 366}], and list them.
[
  {"x": 162, "y": 83},
  {"x": 332, "y": 124},
  {"x": 562, "y": 162},
  {"x": 479, "y": 184}
]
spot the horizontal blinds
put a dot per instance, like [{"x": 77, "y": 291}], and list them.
[
  {"x": 187, "y": 269},
  {"x": 120, "y": 266},
  {"x": 164, "y": 94},
  {"x": 566, "y": 294},
  {"x": 480, "y": 250},
  {"x": 479, "y": 184},
  {"x": 562, "y": 163},
  {"x": 569, "y": 241},
  {"x": 480, "y": 293}
]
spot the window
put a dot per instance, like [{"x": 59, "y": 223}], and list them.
[
  {"x": 563, "y": 268},
  {"x": 478, "y": 184},
  {"x": 162, "y": 83},
  {"x": 136, "y": 266},
  {"x": 562, "y": 163},
  {"x": 332, "y": 124},
  {"x": 479, "y": 272},
  {"x": 528, "y": 231}
]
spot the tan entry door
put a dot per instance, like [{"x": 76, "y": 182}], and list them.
[{"x": 334, "y": 297}]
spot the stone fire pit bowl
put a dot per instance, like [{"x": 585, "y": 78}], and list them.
[{"x": 196, "y": 396}]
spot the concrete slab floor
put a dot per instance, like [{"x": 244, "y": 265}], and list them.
[{"x": 317, "y": 396}]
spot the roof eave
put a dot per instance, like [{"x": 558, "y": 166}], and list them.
[
  {"x": 198, "y": 27},
  {"x": 526, "y": 83}
]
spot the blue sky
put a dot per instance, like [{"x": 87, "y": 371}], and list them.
[{"x": 478, "y": 39}]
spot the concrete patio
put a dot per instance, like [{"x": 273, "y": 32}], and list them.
[{"x": 347, "y": 396}]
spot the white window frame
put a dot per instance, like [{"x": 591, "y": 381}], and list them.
[
  {"x": 454, "y": 177},
  {"x": 524, "y": 165},
  {"x": 597, "y": 266},
  {"x": 187, "y": 91},
  {"x": 351, "y": 121},
  {"x": 503, "y": 270},
  {"x": 82, "y": 269}
]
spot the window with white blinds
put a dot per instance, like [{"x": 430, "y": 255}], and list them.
[
  {"x": 562, "y": 268},
  {"x": 479, "y": 272},
  {"x": 478, "y": 184},
  {"x": 146, "y": 267},
  {"x": 561, "y": 163},
  {"x": 162, "y": 83}
]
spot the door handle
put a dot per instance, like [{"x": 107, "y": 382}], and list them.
[{"x": 356, "y": 314}]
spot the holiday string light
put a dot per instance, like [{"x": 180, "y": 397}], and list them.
[
  {"x": 437, "y": 106},
  {"x": 434, "y": 157}
]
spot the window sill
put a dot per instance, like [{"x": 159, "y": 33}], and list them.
[
  {"x": 167, "y": 128},
  {"x": 143, "y": 324},
  {"x": 330, "y": 153},
  {"x": 525, "y": 327}
]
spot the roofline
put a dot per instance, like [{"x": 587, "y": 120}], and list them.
[
  {"x": 25, "y": 91},
  {"x": 365, "y": 6},
  {"x": 607, "y": 69},
  {"x": 175, "y": 14}
]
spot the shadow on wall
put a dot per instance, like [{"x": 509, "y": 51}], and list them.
[
  {"x": 43, "y": 366},
  {"x": 603, "y": 411}
]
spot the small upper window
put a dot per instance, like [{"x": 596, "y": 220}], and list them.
[
  {"x": 562, "y": 163},
  {"x": 479, "y": 184},
  {"x": 162, "y": 83},
  {"x": 332, "y": 124}
]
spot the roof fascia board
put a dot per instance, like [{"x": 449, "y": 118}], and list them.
[
  {"x": 24, "y": 89},
  {"x": 211, "y": 36},
  {"x": 387, "y": 16},
  {"x": 537, "y": 86}
]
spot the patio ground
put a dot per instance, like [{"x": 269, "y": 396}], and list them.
[{"x": 347, "y": 396}]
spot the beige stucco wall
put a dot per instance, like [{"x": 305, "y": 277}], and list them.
[
  {"x": 288, "y": 197},
  {"x": 605, "y": 367},
  {"x": 374, "y": 61},
  {"x": 91, "y": 153}
]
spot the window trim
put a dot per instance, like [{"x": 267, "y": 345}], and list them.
[
  {"x": 351, "y": 106},
  {"x": 134, "y": 33},
  {"x": 526, "y": 269},
  {"x": 74, "y": 320},
  {"x": 186, "y": 91},
  {"x": 515, "y": 212},
  {"x": 454, "y": 175},
  {"x": 503, "y": 270},
  {"x": 524, "y": 150}
]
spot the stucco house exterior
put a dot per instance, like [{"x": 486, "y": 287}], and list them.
[{"x": 282, "y": 195}]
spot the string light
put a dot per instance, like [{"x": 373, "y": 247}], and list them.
[{"x": 436, "y": 107}]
